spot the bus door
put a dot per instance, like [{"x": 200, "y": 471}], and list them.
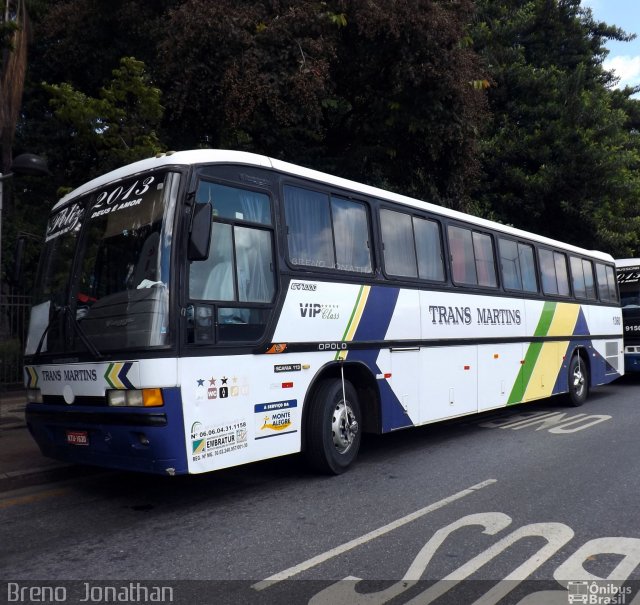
[{"x": 405, "y": 380}]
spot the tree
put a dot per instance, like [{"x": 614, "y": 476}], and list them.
[
  {"x": 117, "y": 127},
  {"x": 376, "y": 91},
  {"x": 558, "y": 157},
  {"x": 13, "y": 42}
]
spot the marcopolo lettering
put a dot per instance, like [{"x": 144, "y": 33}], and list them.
[{"x": 333, "y": 346}]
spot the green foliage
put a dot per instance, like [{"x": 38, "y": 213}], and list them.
[
  {"x": 7, "y": 29},
  {"x": 560, "y": 156},
  {"x": 498, "y": 107},
  {"x": 118, "y": 127}
]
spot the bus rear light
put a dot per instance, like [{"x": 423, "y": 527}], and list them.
[
  {"x": 135, "y": 398},
  {"x": 34, "y": 396}
]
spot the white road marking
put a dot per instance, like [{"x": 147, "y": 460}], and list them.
[{"x": 372, "y": 535}]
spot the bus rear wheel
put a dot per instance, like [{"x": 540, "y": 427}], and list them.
[
  {"x": 333, "y": 427},
  {"x": 578, "y": 381}
]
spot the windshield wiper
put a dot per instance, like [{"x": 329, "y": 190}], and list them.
[
  {"x": 68, "y": 312},
  {"x": 81, "y": 333}
]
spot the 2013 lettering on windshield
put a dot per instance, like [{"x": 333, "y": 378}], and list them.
[{"x": 120, "y": 194}]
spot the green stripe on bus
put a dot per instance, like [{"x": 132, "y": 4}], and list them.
[
  {"x": 106, "y": 376},
  {"x": 353, "y": 312},
  {"x": 533, "y": 351}
]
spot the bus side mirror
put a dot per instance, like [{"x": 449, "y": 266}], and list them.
[
  {"x": 18, "y": 261},
  {"x": 200, "y": 235}
]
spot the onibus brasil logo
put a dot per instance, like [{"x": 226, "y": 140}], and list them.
[{"x": 597, "y": 593}]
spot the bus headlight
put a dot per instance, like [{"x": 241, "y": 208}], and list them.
[
  {"x": 135, "y": 398},
  {"x": 34, "y": 396}
]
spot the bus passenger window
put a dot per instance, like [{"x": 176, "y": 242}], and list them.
[
  {"x": 607, "y": 290},
  {"x": 308, "y": 227},
  {"x": 351, "y": 233},
  {"x": 397, "y": 238},
  {"x": 429, "y": 249},
  {"x": 485, "y": 264},
  {"x": 553, "y": 267},
  {"x": 472, "y": 257},
  {"x": 582, "y": 278},
  {"x": 518, "y": 267},
  {"x": 463, "y": 266},
  {"x": 326, "y": 232}
]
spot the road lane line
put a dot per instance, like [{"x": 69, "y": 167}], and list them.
[
  {"x": 30, "y": 498},
  {"x": 372, "y": 535}
]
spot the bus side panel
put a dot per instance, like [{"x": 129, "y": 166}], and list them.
[
  {"x": 449, "y": 382},
  {"x": 244, "y": 408}
]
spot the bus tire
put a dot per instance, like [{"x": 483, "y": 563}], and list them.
[
  {"x": 578, "y": 381},
  {"x": 333, "y": 427}
]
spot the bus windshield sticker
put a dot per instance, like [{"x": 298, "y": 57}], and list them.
[{"x": 68, "y": 219}]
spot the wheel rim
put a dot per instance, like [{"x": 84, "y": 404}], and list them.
[
  {"x": 578, "y": 379},
  {"x": 344, "y": 427}
]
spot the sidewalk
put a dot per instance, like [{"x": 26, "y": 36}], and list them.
[{"x": 21, "y": 463}]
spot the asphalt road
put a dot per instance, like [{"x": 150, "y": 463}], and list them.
[{"x": 534, "y": 504}]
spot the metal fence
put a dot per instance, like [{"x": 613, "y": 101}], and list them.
[{"x": 14, "y": 321}]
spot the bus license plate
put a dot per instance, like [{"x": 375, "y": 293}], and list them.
[{"x": 78, "y": 437}]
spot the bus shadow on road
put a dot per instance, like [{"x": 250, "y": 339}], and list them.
[{"x": 150, "y": 494}]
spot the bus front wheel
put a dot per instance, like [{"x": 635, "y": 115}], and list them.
[
  {"x": 333, "y": 427},
  {"x": 578, "y": 381}
]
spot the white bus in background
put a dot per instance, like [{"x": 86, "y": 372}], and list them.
[
  {"x": 206, "y": 309},
  {"x": 628, "y": 273}
]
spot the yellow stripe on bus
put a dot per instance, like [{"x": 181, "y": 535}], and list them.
[
  {"x": 544, "y": 375},
  {"x": 564, "y": 320},
  {"x": 551, "y": 357}
]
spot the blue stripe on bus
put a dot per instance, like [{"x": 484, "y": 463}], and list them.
[{"x": 374, "y": 325}]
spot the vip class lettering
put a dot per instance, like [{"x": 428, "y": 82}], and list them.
[{"x": 313, "y": 310}]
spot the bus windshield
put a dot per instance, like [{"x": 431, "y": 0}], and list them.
[
  {"x": 629, "y": 283},
  {"x": 104, "y": 276}
]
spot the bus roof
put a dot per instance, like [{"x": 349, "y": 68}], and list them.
[
  {"x": 624, "y": 263},
  {"x": 220, "y": 156}
]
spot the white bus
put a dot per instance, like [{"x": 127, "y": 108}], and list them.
[
  {"x": 628, "y": 272},
  {"x": 205, "y": 309}
]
